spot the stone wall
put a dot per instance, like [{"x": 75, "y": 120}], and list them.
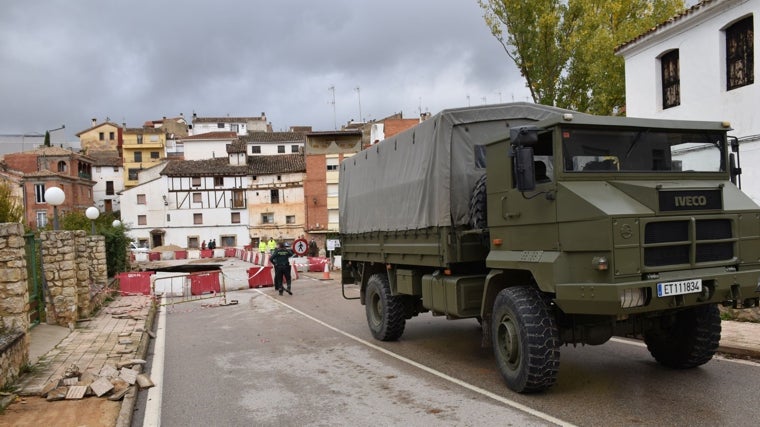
[
  {"x": 14, "y": 303},
  {"x": 74, "y": 265}
]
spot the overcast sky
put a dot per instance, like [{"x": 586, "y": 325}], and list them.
[{"x": 67, "y": 61}]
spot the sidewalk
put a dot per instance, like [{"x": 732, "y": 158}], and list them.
[{"x": 117, "y": 334}]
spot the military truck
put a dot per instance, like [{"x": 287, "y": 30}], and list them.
[{"x": 552, "y": 227}]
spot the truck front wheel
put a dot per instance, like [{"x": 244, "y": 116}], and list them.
[
  {"x": 690, "y": 339},
  {"x": 525, "y": 339},
  {"x": 385, "y": 312}
]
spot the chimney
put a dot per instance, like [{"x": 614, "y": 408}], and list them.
[{"x": 94, "y": 121}]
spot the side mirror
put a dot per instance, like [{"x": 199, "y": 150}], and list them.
[
  {"x": 735, "y": 170},
  {"x": 524, "y": 169}
]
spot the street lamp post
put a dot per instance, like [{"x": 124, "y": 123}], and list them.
[
  {"x": 55, "y": 196},
  {"x": 93, "y": 213}
]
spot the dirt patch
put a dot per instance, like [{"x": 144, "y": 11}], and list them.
[
  {"x": 167, "y": 248},
  {"x": 741, "y": 315},
  {"x": 36, "y": 411}
]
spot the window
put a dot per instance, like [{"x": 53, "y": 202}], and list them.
[
  {"x": 332, "y": 190},
  {"x": 740, "y": 60},
  {"x": 255, "y": 149},
  {"x": 234, "y": 127},
  {"x": 332, "y": 216},
  {"x": 197, "y": 198},
  {"x": 235, "y": 217},
  {"x": 229, "y": 241},
  {"x": 102, "y": 136},
  {"x": 39, "y": 193},
  {"x": 198, "y": 218},
  {"x": 109, "y": 188},
  {"x": 220, "y": 125},
  {"x": 290, "y": 219},
  {"x": 154, "y": 155},
  {"x": 274, "y": 196},
  {"x": 111, "y": 136},
  {"x": 267, "y": 218},
  {"x": 154, "y": 138},
  {"x": 192, "y": 242},
  {"x": 238, "y": 199},
  {"x": 133, "y": 174},
  {"x": 139, "y": 139},
  {"x": 41, "y": 219},
  {"x": 138, "y": 156},
  {"x": 671, "y": 81},
  {"x": 280, "y": 148},
  {"x": 142, "y": 220},
  {"x": 293, "y": 148},
  {"x": 218, "y": 181},
  {"x": 141, "y": 199},
  {"x": 332, "y": 163},
  {"x": 61, "y": 166},
  {"x": 196, "y": 181}
]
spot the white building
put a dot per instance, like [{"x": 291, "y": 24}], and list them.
[
  {"x": 206, "y": 145},
  {"x": 240, "y": 125},
  {"x": 108, "y": 174},
  {"x": 699, "y": 65},
  {"x": 269, "y": 143}
]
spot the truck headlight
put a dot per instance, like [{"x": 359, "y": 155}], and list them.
[{"x": 633, "y": 297}]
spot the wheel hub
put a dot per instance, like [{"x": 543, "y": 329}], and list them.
[{"x": 509, "y": 341}]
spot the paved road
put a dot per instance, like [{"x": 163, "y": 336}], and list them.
[{"x": 309, "y": 359}]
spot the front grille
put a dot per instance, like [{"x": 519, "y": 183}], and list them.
[{"x": 688, "y": 241}]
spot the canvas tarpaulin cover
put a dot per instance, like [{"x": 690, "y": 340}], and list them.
[{"x": 424, "y": 176}]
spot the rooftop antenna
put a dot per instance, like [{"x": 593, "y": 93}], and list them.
[
  {"x": 468, "y": 100},
  {"x": 499, "y": 93},
  {"x": 359, "y": 94},
  {"x": 335, "y": 119},
  {"x": 419, "y": 107},
  {"x": 484, "y": 100}
]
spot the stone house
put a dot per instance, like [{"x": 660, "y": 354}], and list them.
[
  {"x": 699, "y": 65},
  {"x": 106, "y": 136}
]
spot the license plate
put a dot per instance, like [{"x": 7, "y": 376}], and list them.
[{"x": 667, "y": 289}]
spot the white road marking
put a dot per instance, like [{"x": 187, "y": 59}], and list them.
[
  {"x": 476, "y": 389},
  {"x": 152, "y": 416}
]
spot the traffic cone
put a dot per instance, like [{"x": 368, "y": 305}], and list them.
[{"x": 326, "y": 273}]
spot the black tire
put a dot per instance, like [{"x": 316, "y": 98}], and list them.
[
  {"x": 689, "y": 340},
  {"x": 478, "y": 205},
  {"x": 385, "y": 313},
  {"x": 525, "y": 340}
]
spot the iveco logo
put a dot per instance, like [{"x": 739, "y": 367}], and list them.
[{"x": 690, "y": 201}]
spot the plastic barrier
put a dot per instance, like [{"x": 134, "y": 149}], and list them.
[
  {"x": 207, "y": 253},
  {"x": 154, "y": 256},
  {"x": 229, "y": 252},
  {"x": 180, "y": 254},
  {"x": 204, "y": 282},
  {"x": 135, "y": 283},
  {"x": 259, "y": 277},
  {"x": 317, "y": 264}
]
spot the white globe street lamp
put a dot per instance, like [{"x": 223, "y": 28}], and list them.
[
  {"x": 55, "y": 196},
  {"x": 93, "y": 213},
  {"x": 116, "y": 223}
]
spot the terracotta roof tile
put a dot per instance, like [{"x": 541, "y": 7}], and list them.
[
  {"x": 669, "y": 21},
  {"x": 209, "y": 167},
  {"x": 270, "y": 137},
  {"x": 279, "y": 163}
]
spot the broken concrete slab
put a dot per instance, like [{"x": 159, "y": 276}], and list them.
[
  {"x": 144, "y": 381},
  {"x": 76, "y": 392},
  {"x": 101, "y": 386}
]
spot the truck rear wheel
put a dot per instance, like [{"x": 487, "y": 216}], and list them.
[
  {"x": 525, "y": 340},
  {"x": 385, "y": 312},
  {"x": 689, "y": 341}
]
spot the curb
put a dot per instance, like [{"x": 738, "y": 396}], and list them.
[
  {"x": 739, "y": 352},
  {"x": 130, "y": 399}
]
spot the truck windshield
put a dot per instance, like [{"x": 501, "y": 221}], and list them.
[{"x": 642, "y": 150}]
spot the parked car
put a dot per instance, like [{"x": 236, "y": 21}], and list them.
[{"x": 137, "y": 249}]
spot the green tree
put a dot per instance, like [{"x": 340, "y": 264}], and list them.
[
  {"x": 116, "y": 237},
  {"x": 47, "y": 139},
  {"x": 11, "y": 209},
  {"x": 565, "y": 48}
]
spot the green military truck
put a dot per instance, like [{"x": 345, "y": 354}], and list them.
[{"x": 552, "y": 227}]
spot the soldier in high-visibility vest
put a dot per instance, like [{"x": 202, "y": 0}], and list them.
[{"x": 272, "y": 245}]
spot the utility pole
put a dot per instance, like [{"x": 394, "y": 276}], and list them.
[
  {"x": 335, "y": 119},
  {"x": 359, "y": 94}
]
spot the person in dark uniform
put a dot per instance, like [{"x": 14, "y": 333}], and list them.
[{"x": 280, "y": 259}]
